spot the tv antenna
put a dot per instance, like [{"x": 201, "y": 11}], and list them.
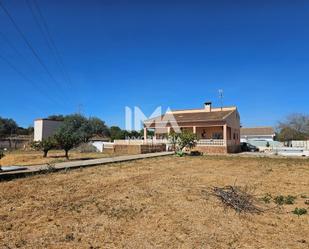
[{"x": 221, "y": 98}]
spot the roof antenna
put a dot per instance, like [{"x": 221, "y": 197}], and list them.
[{"x": 221, "y": 98}]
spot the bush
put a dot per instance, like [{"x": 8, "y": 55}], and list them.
[
  {"x": 180, "y": 153},
  {"x": 299, "y": 211},
  {"x": 290, "y": 199},
  {"x": 267, "y": 198},
  {"x": 86, "y": 148},
  {"x": 280, "y": 199}
]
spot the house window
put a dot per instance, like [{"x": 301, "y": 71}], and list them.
[
  {"x": 234, "y": 136},
  {"x": 217, "y": 135}
]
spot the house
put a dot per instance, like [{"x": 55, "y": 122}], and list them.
[
  {"x": 217, "y": 129},
  {"x": 44, "y": 128},
  {"x": 257, "y": 134}
]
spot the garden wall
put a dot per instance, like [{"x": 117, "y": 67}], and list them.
[
  {"x": 212, "y": 149},
  {"x": 138, "y": 149},
  {"x": 218, "y": 149}
]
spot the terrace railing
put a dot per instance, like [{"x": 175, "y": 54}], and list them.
[
  {"x": 211, "y": 142},
  {"x": 200, "y": 142}
]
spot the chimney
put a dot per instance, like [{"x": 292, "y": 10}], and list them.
[{"x": 207, "y": 106}]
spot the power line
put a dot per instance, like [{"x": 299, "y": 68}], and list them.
[
  {"x": 48, "y": 39},
  {"x": 10, "y": 44},
  {"x": 52, "y": 40},
  {"x": 29, "y": 44},
  {"x": 25, "y": 77}
]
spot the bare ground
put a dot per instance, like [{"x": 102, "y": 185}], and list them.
[
  {"x": 30, "y": 158},
  {"x": 155, "y": 203}
]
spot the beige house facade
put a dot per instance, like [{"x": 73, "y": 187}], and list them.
[{"x": 217, "y": 129}]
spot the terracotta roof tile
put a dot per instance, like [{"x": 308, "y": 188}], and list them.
[{"x": 192, "y": 117}]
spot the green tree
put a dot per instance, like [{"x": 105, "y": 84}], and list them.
[
  {"x": 25, "y": 131},
  {"x": 45, "y": 145},
  {"x": 98, "y": 127},
  {"x": 7, "y": 127},
  {"x": 116, "y": 133},
  {"x": 74, "y": 130},
  {"x": 132, "y": 134},
  {"x": 294, "y": 127},
  {"x": 56, "y": 117},
  {"x": 289, "y": 133},
  {"x": 186, "y": 140},
  {"x": 149, "y": 133}
]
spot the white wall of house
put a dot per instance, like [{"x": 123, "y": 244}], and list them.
[
  {"x": 44, "y": 128},
  {"x": 246, "y": 138}
]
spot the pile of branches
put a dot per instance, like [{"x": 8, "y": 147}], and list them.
[{"x": 239, "y": 200}]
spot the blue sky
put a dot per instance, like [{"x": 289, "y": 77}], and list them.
[{"x": 173, "y": 54}]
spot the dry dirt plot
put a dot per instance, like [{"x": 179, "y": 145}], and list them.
[
  {"x": 155, "y": 203},
  {"x": 30, "y": 158}
]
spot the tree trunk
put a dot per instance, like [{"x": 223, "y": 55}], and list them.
[
  {"x": 67, "y": 154},
  {"x": 45, "y": 153}
]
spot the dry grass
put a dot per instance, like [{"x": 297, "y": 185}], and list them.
[
  {"x": 36, "y": 157},
  {"x": 154, "y": 203}
]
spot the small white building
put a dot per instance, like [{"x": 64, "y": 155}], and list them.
[
  {"x": 257, "y": 134},
  {"x": 101, "y": 143},
  {"x": 44, "y": 128}
]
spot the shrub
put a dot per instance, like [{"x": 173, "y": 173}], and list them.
[
  {"x": 289, "y": 199},
  {"x": 180, "y": 153},
  {"x": 299, "y": 211},
  {"x": 266, "y": 198},
  {"x": 280, "y": 199},
  {"x": 86, "y": 148}
]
